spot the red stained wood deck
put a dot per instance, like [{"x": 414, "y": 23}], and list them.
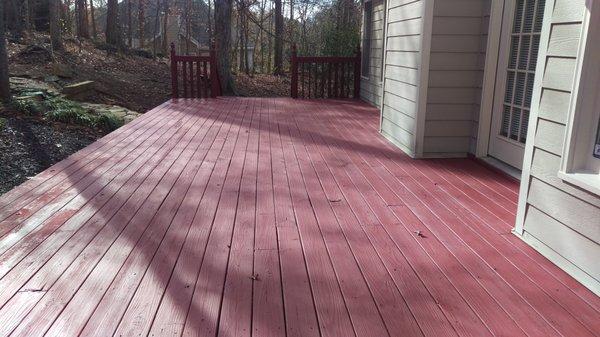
[{"x": 273, "y": 217}]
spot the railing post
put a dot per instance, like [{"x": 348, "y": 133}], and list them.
[
  {"x": 215, "y": 85},
  {"x": 294, "y": 66},
  {"x": 357, "y": 65},
  {"x": 174, "y": 80}
]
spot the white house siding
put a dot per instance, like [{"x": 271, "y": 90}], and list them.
[
  {"x": 457, "y": 61},
  {"x": 560, "y": 220},
  {"x": 402, "y": 71},
  {"x": 370, "y": 87}
]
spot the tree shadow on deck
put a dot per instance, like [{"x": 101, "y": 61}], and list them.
[{"x": 146, "y": 239}]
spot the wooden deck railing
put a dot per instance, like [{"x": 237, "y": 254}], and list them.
[
  {"x": 194, "y": 76},
  {"x": 325, "y": 76}
]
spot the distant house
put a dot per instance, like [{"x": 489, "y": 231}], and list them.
[
  {"x": 176, "y": 32},
  {"x": 513, "y": 82}
]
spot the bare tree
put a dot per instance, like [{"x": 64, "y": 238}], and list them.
[
  {"x": 210, "y": 24},
  {"x": 223, "y": 10},
  {"x": 165, "y": 43},
  {"x": 4, "y": 84},
  {"x": 55, "y": 33},
  {"x": 129, "y": 24},
  {"x": 156, "y": 27},
  {"x": 82, "y": 19},
  {"x": 278, "y": 70},
  {"x": 113, "y": 29},
  {"x": 141, "y": 21},
  {"x": 93, "y": 19},
  {"x": 15, "y": 18}
]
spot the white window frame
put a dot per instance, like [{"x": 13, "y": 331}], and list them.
[{"x": 578, "y": 166}]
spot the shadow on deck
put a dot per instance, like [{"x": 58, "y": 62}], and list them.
[{"x": 273, "y": 217}]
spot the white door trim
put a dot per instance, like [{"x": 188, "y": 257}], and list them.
[{"x": 489, "y": 78}]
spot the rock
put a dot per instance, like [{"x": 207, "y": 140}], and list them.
[
  {"x": 78, "y": 89},
  {"x": 51, "y": 78},
  {"x": 26, "y": 86},
  {"x": 123, "y": 114},
  {"x": 62, "y": 70}
]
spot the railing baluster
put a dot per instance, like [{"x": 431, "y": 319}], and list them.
[
  {"x": 316, "y": 78},
  {"x": 329, "y": 80},
  {"x": 345, "y": 81},
  {"x": 332, "y": 76},
  {"x": 198, "y": 79},
  {"x": 185, "y": 80},
  {"x": 309, "y": 71},
  {"x": 205, "y": 79},
  {"x": 322, "y": 80},
  {"x": 191, "y": 65}
]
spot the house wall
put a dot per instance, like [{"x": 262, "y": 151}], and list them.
[
  {"x": 560, "y": 220},
  {"x": 458, "y": 45},
  {"x": 403, "y": 58},
  {"x": 370, "y": 87}
]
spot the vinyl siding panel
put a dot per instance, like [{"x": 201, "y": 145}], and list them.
[
  {"x": 560, "y": 220},
  {"x": 370, "y": 87},
  {"x": 458, "y": 47},
  {"x": 402, "y": 71}
]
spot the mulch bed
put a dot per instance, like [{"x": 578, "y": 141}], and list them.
[{"x": 28, "y": 146}]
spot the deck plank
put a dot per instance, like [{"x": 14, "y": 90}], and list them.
[
  {"x": 273, "y": 217},
  {"x": 550, "y": 311},
  {"x": 60, "y": 291}
]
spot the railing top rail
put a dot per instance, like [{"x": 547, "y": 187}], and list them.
[
  {"x": 191, "y": 58},
  {"x": 328, "y": 59}
]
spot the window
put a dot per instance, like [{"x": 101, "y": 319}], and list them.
[
  {"x": 367, "y": 33},
  {"x": 524, "y": 47},
  {"x": 581, "y": 156}
]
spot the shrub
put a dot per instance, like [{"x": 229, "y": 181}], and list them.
[
  {"x": 108, "y": 122},
  {"x": 28, "y": 106}
]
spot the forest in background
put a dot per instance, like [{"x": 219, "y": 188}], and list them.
[{"x": 268, "y": 27}]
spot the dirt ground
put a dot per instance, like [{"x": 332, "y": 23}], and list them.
[
  {"x": 28, "y": 146},
  {"x": 125, "y": 79}
]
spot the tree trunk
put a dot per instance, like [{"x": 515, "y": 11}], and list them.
[
  {"x": 81, "y": 19},
  {"x": 292, "y": 22},
  {"x": 113, "y": 29},
  {"x": 141, "y": 22},
  {"x": 165, "y": 40},
  {"x": 278, "y": 70},
  {"x": 156, "y": 27},
  {"x": 27, "y": 17},
  {"x": 4, "y": 84},
  {"x": 240, "y": 40},
  {"x": 210, "y": 25},
  {"x": 55, "y": 33},
  {"x": 246, "y": 45},
  {"x": 223, "y": 40},
  {"x": 188, "y": 26},
  {"x": 129, "y": 25},
  {"x": 93, "y": 18},
  {"x": 261, "y": 37},
  {"x": 270, "y": 42},
  {"x": 15, "y": 19}
]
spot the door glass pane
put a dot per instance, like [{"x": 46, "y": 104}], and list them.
[{"x": 524, "y": 50}]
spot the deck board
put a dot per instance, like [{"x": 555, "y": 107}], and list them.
[{"x": 273, "y": 217}]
